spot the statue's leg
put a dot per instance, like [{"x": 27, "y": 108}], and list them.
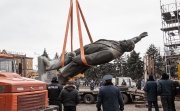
[{"x": 71, "y": 70}]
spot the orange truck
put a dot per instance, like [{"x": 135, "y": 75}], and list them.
[{"x": 19, "y": 93}]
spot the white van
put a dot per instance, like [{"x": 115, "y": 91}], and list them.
[{"x": 118, "y": 81}]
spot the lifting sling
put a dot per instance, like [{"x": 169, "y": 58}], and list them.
[{"x": 70, "y": 19}]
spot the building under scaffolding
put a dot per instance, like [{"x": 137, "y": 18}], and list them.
[{"x": 170, "y": 14}]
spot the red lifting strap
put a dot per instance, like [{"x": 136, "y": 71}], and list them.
[
  {"x": 70, "y": 17},
  {"x": 83, "y": 18}
]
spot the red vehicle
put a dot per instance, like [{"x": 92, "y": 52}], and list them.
[{"x": 19, "y": 93}]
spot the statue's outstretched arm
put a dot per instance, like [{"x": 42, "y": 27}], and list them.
[{"x": 138, "y": 38}]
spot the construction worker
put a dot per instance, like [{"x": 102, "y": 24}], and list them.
[{"x": 54, "y": 90}]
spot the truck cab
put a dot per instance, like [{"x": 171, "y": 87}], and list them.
[{"x": 7, "y": 63}]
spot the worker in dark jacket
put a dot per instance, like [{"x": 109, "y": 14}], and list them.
[
  {"x": 54, "y": 90},
  {"x": 151, "y": 91},
  {"x": 166, "y": 90},
  {"x": 109, "y": 96},
  {"x": 69, "y": 96}
]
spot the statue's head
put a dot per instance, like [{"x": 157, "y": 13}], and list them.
[{"x": 127, "y": 45}]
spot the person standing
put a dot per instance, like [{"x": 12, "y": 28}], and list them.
[
  {"x": 101, "y": 83},
  {"x": 138, "y": 85},
  {"x": 92, "y": 85},
  {"x": 69, "y": 96},
  {"x": 54, "y": 90},
  {"x": 109, "y": 96},
  {"x": 166, "y": 90},
  {"x": 142, "y": 83},
  {"x": 77, "y": 83},
  {"x": 151, "y": 91},
  {"x": 124, "y": 83}
]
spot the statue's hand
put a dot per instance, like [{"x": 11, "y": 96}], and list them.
[
  {"x": 138, "y": 38},
  {"x": 144, "y": 34}
]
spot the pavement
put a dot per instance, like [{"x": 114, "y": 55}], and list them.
[
  {"x": 127, "y": 107},
  {"x": 135, "y": 106}
]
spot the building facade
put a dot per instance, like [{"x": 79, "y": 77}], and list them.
[{"x": 24, "y": 64}]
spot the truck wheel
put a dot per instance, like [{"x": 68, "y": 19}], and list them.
[
  {"x": 125, "y": 98},
  {"x": 88, "y": 98}
]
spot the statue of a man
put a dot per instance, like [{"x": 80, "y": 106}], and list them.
[{"x": 99, "y": 52}]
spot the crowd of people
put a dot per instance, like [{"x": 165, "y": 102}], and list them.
[
  {"x": 66, "y": 95},
  {"x": 92, "y": 84},
  {"x": 110, "y": 98}
]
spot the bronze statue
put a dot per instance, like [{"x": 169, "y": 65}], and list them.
[{"x": 99, "y": 52}]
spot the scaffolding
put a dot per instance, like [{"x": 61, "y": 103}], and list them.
[{"x": 170, "y": 16}]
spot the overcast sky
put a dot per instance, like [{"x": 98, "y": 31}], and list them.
[{"x": 29, "y": 26}]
